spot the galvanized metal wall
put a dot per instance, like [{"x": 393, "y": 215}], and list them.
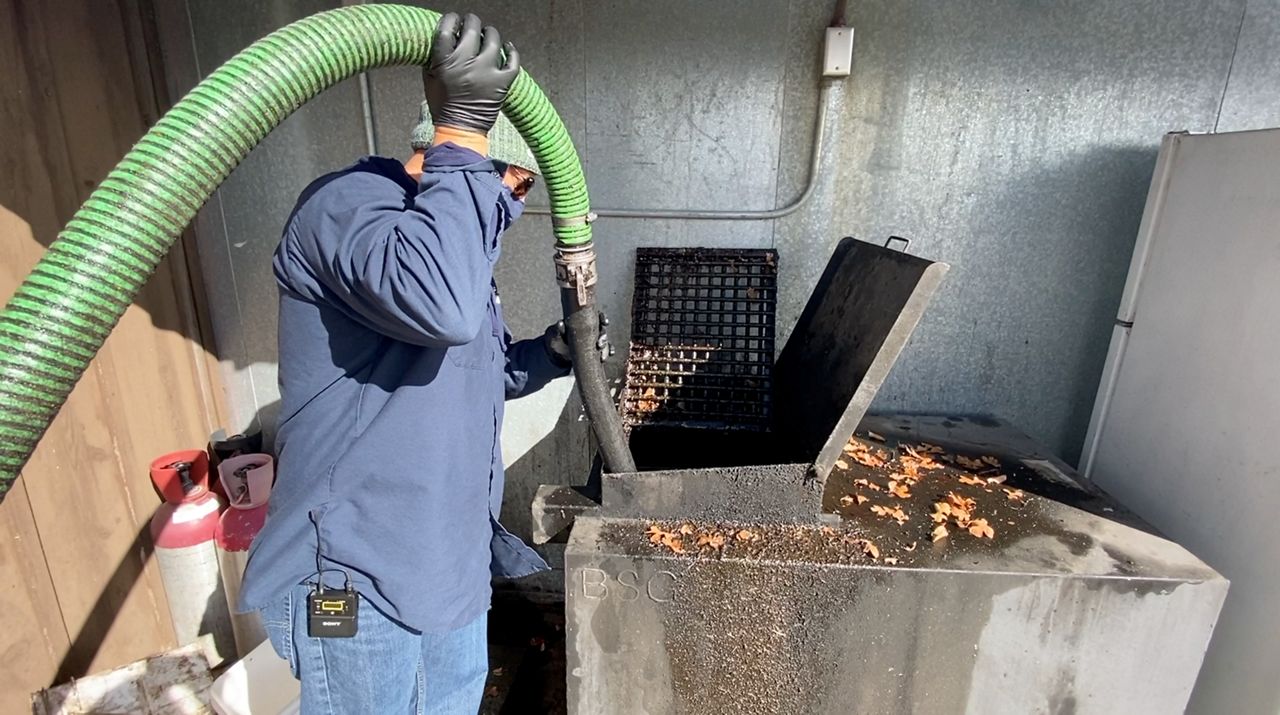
[{"x": 1012, "y": 139}]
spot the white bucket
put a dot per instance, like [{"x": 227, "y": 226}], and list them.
[{"x": 259, "y": 684}]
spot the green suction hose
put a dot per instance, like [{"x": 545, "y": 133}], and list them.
[{"x": 62, "y": 313}]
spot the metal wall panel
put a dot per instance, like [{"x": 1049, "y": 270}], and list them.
[
  {"x": 1252, "y": 100},
  {"x": 1014, "y": 140},
  {"x": 239, "y": 229}
]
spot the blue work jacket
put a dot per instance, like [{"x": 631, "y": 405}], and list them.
[{"x": 394, "y": 365}]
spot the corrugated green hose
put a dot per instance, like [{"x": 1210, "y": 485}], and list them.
[{"x": 63, "y": 312}]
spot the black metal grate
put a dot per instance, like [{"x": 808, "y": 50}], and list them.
[{"x": 702, "y": 338}]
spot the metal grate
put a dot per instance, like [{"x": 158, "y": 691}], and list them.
[{"x": 702, "y": 338}]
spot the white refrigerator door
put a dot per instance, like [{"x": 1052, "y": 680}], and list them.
[{"x": 1186, "y": 428}]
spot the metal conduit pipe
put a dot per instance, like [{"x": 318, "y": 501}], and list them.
[
  {"x": 62, "y": 313},
  {"x": 815, "y": 164}
]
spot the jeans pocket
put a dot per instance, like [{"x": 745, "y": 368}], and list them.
[{"x": 277, "y": 620}]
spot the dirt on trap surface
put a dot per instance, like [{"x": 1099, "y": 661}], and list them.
[{"x": 897, "y": 503}]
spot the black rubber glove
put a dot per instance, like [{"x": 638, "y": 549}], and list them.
[
  {"x": 467, "y": 79},
  {"x": 557, "y": 339}
]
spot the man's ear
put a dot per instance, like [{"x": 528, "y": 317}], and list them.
[{"x": 413, "y": 165}]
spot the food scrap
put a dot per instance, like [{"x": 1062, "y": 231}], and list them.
[
  {"x": 969, "y": 462},
  {"x": 851, "y": 499},
  {"x": 894, "y": 513},
  {"x": 941, "y": 512},
  {"x": 980, "y": 529},
  {"x": 922, "y": 460},
  {"x": 715, "y": 541},
  {"x": 868, "y": 484},
  {"x": 863, "y": 454},
  {"x": 904, "y": 478},
  {"x": 688, "y": 537},
  {"x": 959, "y": 510},
  {"x": 870, "y": 549},
  {"x": 669, "y": 539},
  {"x": 910, "y": 468},
  {"x": 647, "y": 403}
]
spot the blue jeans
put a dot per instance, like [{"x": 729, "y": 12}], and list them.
[{"x": 386, "y": 668}]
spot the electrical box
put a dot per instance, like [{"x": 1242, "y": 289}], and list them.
[{"x": 838, "y": 56}]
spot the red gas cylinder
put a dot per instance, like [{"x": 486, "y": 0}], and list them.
[
  {"x": 182, "y": 531},
  {"x": 247, "y": 480}
]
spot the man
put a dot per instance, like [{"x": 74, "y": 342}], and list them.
[{"x": 394, "y": 364}]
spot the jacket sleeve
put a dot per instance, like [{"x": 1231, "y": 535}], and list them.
[
  {"x": 529, "y": 366},
  {"x": 416, "y": 270}
]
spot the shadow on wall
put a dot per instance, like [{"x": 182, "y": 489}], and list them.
[
  {"x": 26, "y": 243},
  {"x": 102, "y": 616},
  {"x": 562, "y": 454},
  {"x": 85, "y": 645},
  {"x": 1026, "y": 315},
  {"x": 1106, "y": 216}
]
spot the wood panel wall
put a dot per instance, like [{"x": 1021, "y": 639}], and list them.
[{"x": 78, "y": 85}]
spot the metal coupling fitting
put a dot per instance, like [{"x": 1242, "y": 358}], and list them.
[
  {"x": 567, "y": 221},
  {"x": 576, "y": 269}
]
